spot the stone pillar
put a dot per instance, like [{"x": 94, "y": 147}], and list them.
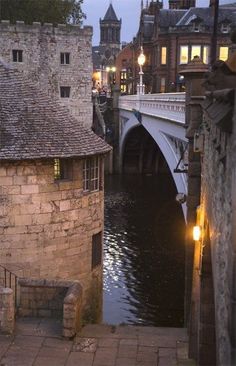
[
  {"x": 194, "y": 75},
  {"x": 116, "y": 124},
  {"x": 7, "y": 310}
]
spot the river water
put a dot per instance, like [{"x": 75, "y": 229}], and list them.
[{"x": 143, "y": 252}]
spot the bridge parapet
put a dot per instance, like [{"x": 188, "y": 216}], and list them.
[{"x": 170, "y": 106}]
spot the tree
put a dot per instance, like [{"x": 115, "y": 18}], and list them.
[{"x": 44, "y": 11}]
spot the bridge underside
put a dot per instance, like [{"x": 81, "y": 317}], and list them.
[{"x": 142, "y": 155}]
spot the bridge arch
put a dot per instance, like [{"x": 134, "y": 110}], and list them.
[{"x": 161, "y": 132}]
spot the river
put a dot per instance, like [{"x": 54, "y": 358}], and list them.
[{"x": 143, "y": 252}]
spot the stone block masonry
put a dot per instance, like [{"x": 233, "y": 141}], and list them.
[
  {"x": 42, "y": 48},
  {"x": 7, "y": 310},
  {"x": 47, "y": 226}
]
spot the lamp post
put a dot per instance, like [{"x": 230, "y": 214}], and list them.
[
  {"x": 111, "y": 71},
  {"x": 141, "y": 62}
]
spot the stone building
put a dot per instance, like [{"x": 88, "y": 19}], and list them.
[
  {"x": 104, "y": 55},
  {"x": 172, "y": 37},
  {"x": 51, "y": 188},
  {"x": 211, "y": 128},
  {"x": 57, "y": 59}
]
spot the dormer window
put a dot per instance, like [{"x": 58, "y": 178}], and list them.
[
  {"x": 196, "y": 27},
  {"x": 224, "y": 28}
]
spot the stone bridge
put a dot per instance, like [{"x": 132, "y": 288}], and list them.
[{"x": 163, "y": 117}]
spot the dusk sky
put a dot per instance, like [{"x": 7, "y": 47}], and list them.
[{"x": 128, "y": 10}]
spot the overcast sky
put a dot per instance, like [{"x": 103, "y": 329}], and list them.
[{"x": 127, "y": 10}]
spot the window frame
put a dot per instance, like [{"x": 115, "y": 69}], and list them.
[
  {"x": 17, "y": 55},
  {"x": 163, "y": 55},
  {"x": 63, "y": 169},
  {"x": 65, "y": 92},
  {"x": 200, "y": 51},
  {"x": 219, "y": 53},
  {"x": 92, "y": 174},
  {"x": 180, "y": 54},
  {"x": 64, "y": 57}
]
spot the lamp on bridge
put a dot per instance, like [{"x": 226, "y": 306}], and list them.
[
  {"x": 141, "y": 62},
  {"x": 111, "y": 71}
]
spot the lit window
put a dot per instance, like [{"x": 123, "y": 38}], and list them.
[
  {"x": 65, "y": 58},
  {"x": 224, "y": 53},
  {"x": 65, "y": 91},
  {"x": 206, "y": 52},
  {"x": 62, "y": 169},
  {"x": 96, "y": 250},
  {"x": 17, "y": 55},
  {"x": 91, "y": 174},
  {"x": 163, "y": 85},
  {"x": 163, "y": 55},
  {"x": 195, "y": 51},
  {"x": 183, "y": 54},
  {"x": 123, "y": 75}
]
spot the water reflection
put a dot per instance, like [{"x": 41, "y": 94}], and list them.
[{"x": 143, "y": 252}]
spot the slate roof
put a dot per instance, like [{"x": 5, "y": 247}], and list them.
[
  {"x": 169, "y": 18},
  {"x": 32, "y": 126},
  {"x": 206, "y": 15},
  {"x": 110, "y": 14}
]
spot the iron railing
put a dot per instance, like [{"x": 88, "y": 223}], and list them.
[{"x": 10, "y": 280}]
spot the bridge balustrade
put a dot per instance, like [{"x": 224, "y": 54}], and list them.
[{"x": 170, "y": 106}]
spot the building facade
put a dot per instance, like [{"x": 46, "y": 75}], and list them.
[
  {"x": 57, "y": 59},
  {"x": 51, "y": 190},
  {"x": 172, "y": 37}
]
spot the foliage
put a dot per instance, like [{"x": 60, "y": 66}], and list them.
[{"x": 44, "y": 11}]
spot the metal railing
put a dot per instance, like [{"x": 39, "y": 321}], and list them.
[
  {"x": 10, "y": 280},
  {"x": 165, "y": 105}
]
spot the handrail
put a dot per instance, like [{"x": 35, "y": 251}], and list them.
[{"x": 10, "y": 279}]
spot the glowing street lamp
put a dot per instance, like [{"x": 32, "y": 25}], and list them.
[
  {"x": 111, "y": 72},
  {"x": 141, "y": 62}
]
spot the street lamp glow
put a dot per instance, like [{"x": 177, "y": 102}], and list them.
[
  {"x": 141, "y": 62},
  {"x": 113, "y": 69},
  {"x": 196, "y": 233},
  {"x": 141, "y": 58}
]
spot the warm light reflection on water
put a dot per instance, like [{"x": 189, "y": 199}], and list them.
[{"x": 143, "y": 252}]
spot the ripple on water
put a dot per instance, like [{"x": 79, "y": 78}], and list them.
[{"x": 143, "y": 253}]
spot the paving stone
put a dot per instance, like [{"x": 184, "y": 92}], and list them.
[
  {"x": 26, "y": 341},
  {"x": 45, "y": 361},
  {"x": 122, "y": 361},
  {"x": 58, "y": 343},
  {"x": 129, "y": 342},
  {"x": 150, "y": 357},
  {"x": 80, "y": 359},
  {"x": 53, "y": 353},
  {"x": 167, "y": 361},
  {"x": 85, "y": 345},
  {"x": 108, "y": 342},
  {"x": 163, "y": 352},
  {"x": 127, "y": 351},
  {"x": 105, "y": 357}
]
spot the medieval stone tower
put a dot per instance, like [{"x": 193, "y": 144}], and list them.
[{"x": 110, "y": 28}]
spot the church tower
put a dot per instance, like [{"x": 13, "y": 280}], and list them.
[
  {"x": 110, "y": 28},
  {"x": 182, "y": 4}
]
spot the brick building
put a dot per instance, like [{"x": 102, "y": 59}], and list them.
[
  {"x": 172, "y": 37},
  {"x": 57, "y": 59},
  {"x": 51, "y": 188}
]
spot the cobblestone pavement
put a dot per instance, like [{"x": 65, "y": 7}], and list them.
[{"x": 37, "y": 342}]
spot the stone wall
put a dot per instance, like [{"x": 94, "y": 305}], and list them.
[
  {"x": 46, "y": 226},
  {"x": 42, "y": 46},
  {"x": 7, "y": 310},
  {"x": 217, "y": 207},
  {"x": 53, "y": 299}
]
